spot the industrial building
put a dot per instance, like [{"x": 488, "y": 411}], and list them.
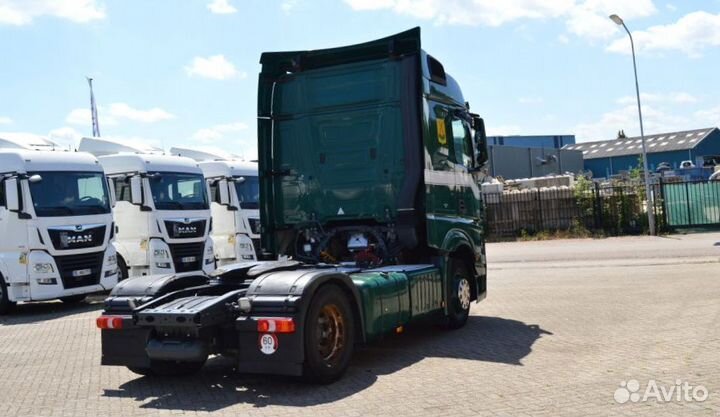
[
  {"x": 512, "y": 162},
  {"x": 533, "y": 141},
  {"x": 609, "y": 157}
]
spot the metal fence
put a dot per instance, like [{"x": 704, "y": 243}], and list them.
[
  {"x": 691, "y": 203},
  {"x": 606, "y": 209}
]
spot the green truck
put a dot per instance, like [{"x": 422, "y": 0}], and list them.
[{"x": 371, "y": 214}]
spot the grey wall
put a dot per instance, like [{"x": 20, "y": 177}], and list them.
[{"x": 512, "y": 162}]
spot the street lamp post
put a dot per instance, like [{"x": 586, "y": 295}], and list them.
[{"x": 650, "y": 201}]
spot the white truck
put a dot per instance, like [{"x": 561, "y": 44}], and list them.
[
  {"x": 234, "y": 196},
  {"x": 56, "y": 225},
  {"x": 162, "y": 210}
]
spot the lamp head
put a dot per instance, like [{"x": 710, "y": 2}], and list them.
[{"x": 615, "y": 18}]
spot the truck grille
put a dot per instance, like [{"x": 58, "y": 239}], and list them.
[
  {"x": 182, "y": 230},
  {"x": 64, "y": 238},
  {"x": 80, "y": 270},
  {"x": 187, "y": 256}
]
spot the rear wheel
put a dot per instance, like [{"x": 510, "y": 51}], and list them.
[
  {"x": 168, "y": 368},
  {"x": 329, "y": 335},
  {"x": 5, "y": 304},
  {"x": 73, "y": 299},
  {"x": 459, "y": 294}
]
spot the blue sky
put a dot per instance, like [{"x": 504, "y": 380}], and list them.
[{"x": 184, "y": 72}]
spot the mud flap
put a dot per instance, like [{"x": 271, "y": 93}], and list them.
[{"x": 269, "y": 353}]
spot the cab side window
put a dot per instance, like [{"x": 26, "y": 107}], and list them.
[
  {"x": 122, "y": 190},
  {"x": 462, "y": 144},
  {"x": 214, "y": 191}
]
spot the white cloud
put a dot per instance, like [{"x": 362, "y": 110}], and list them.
[
  {"x": 221, "y": 7},
  {"x": 478, "y": 12},
  {"x": 655, "y": 120},
  {"x": 674, "y": 98},
  {"x": 217, "y": 132},
  {"x": 287, "y": 5},
  {"x": 710, "y": 117},
  {"x": 118, "y": 111},
  {"x": 124, "y": 111},
  {"x": 215, "y": 67},
  {"x": 22, "y": 12},
  {"x": 4, "y": 120},
  {"x": 235, "y": 138},
  {"x": 583, "y": 18},
  {"x": 691, "y": 35},
  {"x": 589, "y": 19}
]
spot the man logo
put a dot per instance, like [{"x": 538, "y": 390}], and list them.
[
  {"x": 186, "y": 221},
  {"x": 79, "y": 227}
]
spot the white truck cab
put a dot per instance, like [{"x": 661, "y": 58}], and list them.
[
  {"x": 56, "y": 225},
  {"x": 162, "y": 210},
  {"x": 234, "y": 196}
]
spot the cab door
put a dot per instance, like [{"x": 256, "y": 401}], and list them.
[{"x": 462, "y": 153}]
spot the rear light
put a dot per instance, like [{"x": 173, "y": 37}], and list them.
[
  {"x": 109, "y": 322},
  {"x": 276, "y": 325}
]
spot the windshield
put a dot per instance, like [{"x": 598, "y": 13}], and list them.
[
  {"x": 248, "y": 192},
  {"x": 178, "y": 191},
  {"x": 69, "y": 194}
]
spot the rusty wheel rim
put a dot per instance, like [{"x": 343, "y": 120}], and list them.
[{"x": 331, "y": 333}]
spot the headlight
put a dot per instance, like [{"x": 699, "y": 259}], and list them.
[
  {"x": 43, "y": 268},
  {"x": 209, "y": 250},
  {"x": 112, "y": 259},
  {"x": 246, "y": 246},
  {"x": 161, "y": 253}
]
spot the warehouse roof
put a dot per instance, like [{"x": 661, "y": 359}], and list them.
[{"x": 662, "y": 142}]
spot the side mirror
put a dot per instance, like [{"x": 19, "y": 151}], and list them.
[
  {"x": 111, "y": 191},
  {"x": 35, "y": 178},
  {"x": 481, "y": 151},
  {"x": 11, "y": 194},
  {"x": 224, "y": 194},
  {"x": 136, "y": 190}
]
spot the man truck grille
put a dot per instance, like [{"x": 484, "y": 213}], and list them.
[
  {"x": 64, "y": 238},
  {"x": 80, "y": 270},
  {"x": 187, "y": 256},
  {"x": 182, "y": 230}
]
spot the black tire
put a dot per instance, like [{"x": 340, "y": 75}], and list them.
[
  {"x": 122, "y": 269},
  {"x": 168, "y": 368},
  {"x": 329, "y": 336},
  {"x": 6, "y": 306},
  {"x": 459, "y": 294},
  {"x": 74, "y": 299}
]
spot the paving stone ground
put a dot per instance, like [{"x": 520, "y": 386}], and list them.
[{"x": 564, "y": 324}]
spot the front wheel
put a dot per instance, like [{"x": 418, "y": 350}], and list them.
[
  {"x": 5, "y": 304},
  {"x": 329, "y": 335},
  {"x": 122, "y": 269},
  {"x": 459, "y": 294}
]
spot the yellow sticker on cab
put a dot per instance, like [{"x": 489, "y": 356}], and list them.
[{"x": 442, "y": 136}]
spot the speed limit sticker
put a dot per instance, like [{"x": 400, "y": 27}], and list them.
[{"x": 268, "y": 343}]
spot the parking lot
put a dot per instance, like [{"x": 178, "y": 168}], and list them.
[{"x": 565, "y": 324}]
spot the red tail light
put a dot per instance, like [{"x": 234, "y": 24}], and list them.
[
  {"x": 276, "y": 325},
  {"x": 109, "y": 322}
]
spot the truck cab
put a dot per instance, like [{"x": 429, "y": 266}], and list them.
[
  {"x": 162, "y": 212},
  {"x": 57, "y": 226},
  {"x": 234, "y": 195}
]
